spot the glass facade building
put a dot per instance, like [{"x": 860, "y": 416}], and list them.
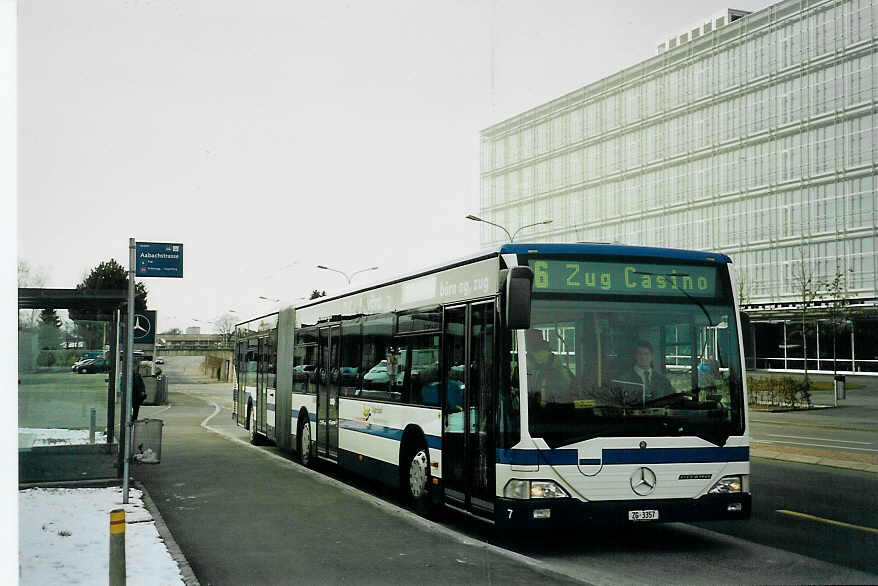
[{"x": 755, "y": 138}]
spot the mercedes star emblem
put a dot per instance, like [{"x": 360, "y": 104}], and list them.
[
  {"x": 643, "y": 481},
  {"x": 141, "y": 326}
]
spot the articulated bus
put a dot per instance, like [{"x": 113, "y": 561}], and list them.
[{"x": 531, "y": 385}]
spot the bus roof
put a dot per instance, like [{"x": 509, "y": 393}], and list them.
[
  {"x": 613, "y": 250},
  {"x": 597, "y": 248}
]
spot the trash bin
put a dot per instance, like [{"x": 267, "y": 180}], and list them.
[
  {"x": 146, "y": 441},
  {"x": 840, "y": 391}
]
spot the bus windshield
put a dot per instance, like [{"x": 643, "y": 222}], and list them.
[{"x": 632, "y": 368}]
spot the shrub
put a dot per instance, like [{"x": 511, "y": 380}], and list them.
[{"x": 783, "y": 391}]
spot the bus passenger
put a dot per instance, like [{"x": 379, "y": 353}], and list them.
[{"x": 547, "y": 377}]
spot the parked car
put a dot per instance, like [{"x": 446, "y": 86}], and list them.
[
  {"x": 96, "y": 365},
  {"x": 159, "y": 361},
  {"x": 377, "y": 375},
  {"x": 81, "y": 362}
]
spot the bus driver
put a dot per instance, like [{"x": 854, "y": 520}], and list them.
[{"x": 644, "y": 375}]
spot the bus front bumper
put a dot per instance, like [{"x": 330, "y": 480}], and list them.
[{"x": 568, "y": 512}]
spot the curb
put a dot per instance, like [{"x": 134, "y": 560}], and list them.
[
  {"x": 177, "y": 555},
  {"x": 91, "y": 483},
  {"x": 770, "y": 454},
  {"x": 794, "y": 409}
]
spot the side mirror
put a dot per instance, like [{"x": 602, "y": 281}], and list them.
[{"x": 519, "y": 282}]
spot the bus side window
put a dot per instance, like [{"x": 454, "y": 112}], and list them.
[{"x": 422, "y": 370}]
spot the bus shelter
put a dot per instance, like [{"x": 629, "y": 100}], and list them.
[{"x": 68, "y": 413}]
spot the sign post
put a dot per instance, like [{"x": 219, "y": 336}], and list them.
[
  {"x": 129, "y": 369},
  {"x": 147, "y": 259}
]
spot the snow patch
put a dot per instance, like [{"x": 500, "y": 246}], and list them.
[
  {"x": 64, "y": 538},
  {"x": 29, "y": 437}
]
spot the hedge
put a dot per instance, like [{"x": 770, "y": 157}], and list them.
[
  {"x": 784, "y": 391},
  {"x": 58, "y": 357}
]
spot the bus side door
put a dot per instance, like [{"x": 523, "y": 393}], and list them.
[
  {"x": 328, "y": 379},
  {"x": 468, "y": 456}
]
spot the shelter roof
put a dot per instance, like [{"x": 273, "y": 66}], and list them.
[{"x": 100, "y": 300}]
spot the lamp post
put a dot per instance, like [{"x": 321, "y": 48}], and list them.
[
  {"x": 508, "y": 235},
  {"x": 344, "y": 274}
]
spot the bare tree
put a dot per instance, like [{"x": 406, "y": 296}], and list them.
[
  {"x": 742, "y": 285},
  {"x": 225, "y": 325},
  {"x": 29, "y": 276},
  {"x": 807, "y": 290},
  {"x": 838, "y": 307}
]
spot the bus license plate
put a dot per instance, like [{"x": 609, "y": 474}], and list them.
[{"x": 648, "y": 515}]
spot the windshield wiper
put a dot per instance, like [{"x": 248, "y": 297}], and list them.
[
  {"x": 683, "y": 291},
  {"x": 692, "y": 395}
]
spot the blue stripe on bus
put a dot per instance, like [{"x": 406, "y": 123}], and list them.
[
  {"x": 674, "y": 455},
  {"x": 433, "y": 441},
  {"x": 535, "y": 457},
  {"x": 624, "y": 456}
]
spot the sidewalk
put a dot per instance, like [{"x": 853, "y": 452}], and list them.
[{"x": 857, "y": 412}]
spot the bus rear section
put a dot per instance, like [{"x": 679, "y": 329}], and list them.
[{"x": 631, "y": 396}]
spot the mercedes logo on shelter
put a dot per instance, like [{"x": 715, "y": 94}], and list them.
[
  {"x": 141, "y": 326},
  {"x": 643, "y": 481}
]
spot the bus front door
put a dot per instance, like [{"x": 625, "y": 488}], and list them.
[
  {"x": 467, "y": 432},
  {"x": 328, "y": 380}
]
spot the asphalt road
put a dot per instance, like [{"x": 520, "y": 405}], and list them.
[
  {"x": 249, "y": 515},
  {"x": 826, "y": 513},
  {"x": 808, "y": 435}
]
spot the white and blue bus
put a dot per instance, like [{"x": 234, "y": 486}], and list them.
[{"x": 530, "y": 385}]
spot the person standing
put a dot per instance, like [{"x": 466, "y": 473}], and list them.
[{"x": 139, "y": 392}]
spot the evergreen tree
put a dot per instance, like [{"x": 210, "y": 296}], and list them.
[
  {"x": 108, "y": 276},
  {"x": 49, "y": 317},
  {"x": 50, "y": 330}
]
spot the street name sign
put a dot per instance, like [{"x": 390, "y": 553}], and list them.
[{"x": 159, "y": 259}]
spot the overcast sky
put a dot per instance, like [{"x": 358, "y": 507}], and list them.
[{"x": 269, "y": 137}]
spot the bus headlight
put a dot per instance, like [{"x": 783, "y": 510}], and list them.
[
  {"x": 533, "y": 489},
  {"x": 546, "y": 489},
  {"x": 727, "y": 485}
]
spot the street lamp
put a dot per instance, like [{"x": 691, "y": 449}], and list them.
[
  {"x": 344, "y": 274},
  {"x": 508, "y": 235}
]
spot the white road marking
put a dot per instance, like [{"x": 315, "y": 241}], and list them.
[
  {"x": 823, "y": 439},
  {"x": 762, "y": 441}
]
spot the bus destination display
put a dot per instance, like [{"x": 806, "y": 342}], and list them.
[{"x": 570, "y": 276}]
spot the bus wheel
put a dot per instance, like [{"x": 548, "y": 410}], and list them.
[
  {"x": 254, "y": 435},
  {"x": 304, "y": 444},
  {"x": 417, "y": 486}
]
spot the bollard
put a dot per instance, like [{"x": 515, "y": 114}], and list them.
[
  {"x": 91, "y": 426},
  {"x": 117, "y": 547}
]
